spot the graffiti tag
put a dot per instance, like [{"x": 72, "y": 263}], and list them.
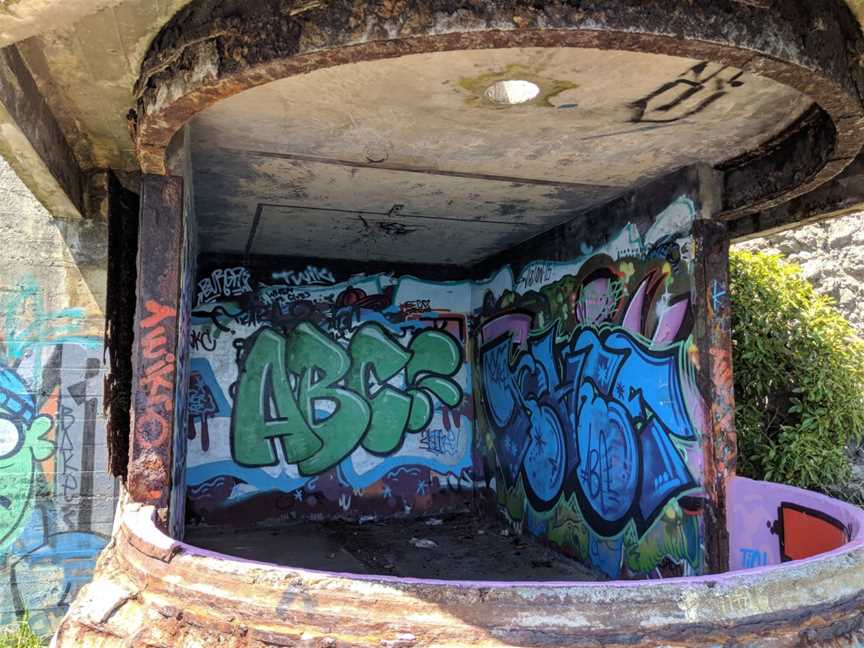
[
  {"x": 311, "y": 276},
  {"x": 227, "y": 282},
  {"x": 320, "y": 400},
  {"x": 689, "y": 94},
  {"x": 157, "y": 382}
]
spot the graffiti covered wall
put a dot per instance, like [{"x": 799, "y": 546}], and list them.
[
  {"x": 563, "y": 385},
  {"x": 315, "y": 394},
  {"x": 56, "y": 500},
  {"x": 591, "y": 417}
]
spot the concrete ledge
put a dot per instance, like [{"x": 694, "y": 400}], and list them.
[{"x": 33, "y": 143}]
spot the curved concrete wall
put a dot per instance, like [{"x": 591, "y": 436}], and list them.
[
  {"x": 161, "y": 592},
  {"x": 770, "y": 524}
]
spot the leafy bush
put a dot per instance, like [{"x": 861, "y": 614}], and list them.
[
  {"x": 19, "y": 636},
  {"x": 799, "y": 376}
]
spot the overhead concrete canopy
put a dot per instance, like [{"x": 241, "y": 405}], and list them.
[
  {"x": 75, "y": 47},
  {"x": 415, "y": 157},
  {"x": 86, "y": 55}
]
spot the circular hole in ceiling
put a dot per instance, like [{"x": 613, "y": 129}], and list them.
[{"x": 512, "y": 91}]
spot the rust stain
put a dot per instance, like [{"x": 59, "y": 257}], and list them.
[{"x": 155, "y": 353}]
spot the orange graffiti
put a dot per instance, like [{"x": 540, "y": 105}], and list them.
[
  {"x": 153, "y": 425},
  {"x": 50, "y": 408}
]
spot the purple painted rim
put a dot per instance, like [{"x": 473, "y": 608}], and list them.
[{"x": 856, "y": 541}]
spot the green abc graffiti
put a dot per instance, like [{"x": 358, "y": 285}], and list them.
[{"x": 285, "y": 382}]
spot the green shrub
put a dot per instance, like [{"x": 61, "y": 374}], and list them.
[
  {"x": 799, "y": 376},
  {"x": 19, "y": 636}
]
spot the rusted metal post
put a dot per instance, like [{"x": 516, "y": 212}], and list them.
[
  {"x": 155, "y": 353},
  {"x": 713, "y": 329}
]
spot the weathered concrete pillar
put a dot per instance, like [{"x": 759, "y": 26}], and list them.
[{"x": 154, "y": 361}]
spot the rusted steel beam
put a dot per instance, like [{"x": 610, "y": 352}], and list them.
[
  {"x": 780, "y": 164},
  {"x": 154, "y": 360},
  {"x": 713, "y": 329},
  {"x": 842, "y": 195},
  {"x": 123, "y": 212}
]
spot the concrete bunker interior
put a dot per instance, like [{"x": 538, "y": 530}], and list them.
[
  {"x": 401, "y": 367},
  {"x": 461, "y": 304},
  {"x": 400, "y": 258}
]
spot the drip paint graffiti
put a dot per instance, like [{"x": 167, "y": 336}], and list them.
[
  {"x": 204, "y": 400},
  {"x": 56, "y": 504},
  {"x": 268, "y": 408}
]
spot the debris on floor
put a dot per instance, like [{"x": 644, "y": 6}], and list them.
[
  {"x": 423, "y": 543},
  {"x": 460, "y": 546}
]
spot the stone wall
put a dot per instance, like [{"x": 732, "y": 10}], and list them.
[
  {"x": 831, "y": 254},
  {"x": 56, "y": 500}
]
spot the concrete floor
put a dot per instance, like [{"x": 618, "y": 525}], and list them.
[{"x": 465, "y": 548}]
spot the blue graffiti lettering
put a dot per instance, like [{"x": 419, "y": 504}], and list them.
[{"x": 595, "y": 415}]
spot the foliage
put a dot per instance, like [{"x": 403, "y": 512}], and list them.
[
  {"x": 19, "y": 636},
  {"x": 799, "y": 376}
]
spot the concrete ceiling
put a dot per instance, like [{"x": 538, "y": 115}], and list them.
[
  {"x": 86, "y": 56},
  {"x": 21, "y": 19},
  {"x": 406, "y": 158},
  {"x": 276, "y": 164},
  {"x": 86, "y": 70}
]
